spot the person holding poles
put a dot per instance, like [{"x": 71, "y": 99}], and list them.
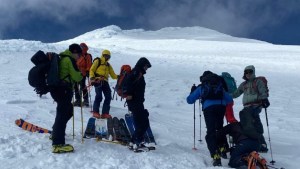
[{"x": 213, "y": 110}]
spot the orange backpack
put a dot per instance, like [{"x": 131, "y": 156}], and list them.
[
  {"x": 254, "y": 160},
  {"x": 120, "y": 86}
]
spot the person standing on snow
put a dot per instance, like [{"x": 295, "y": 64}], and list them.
[
  {"x": 84, "y": 64},
  {"x": 62, "y": 95},
  {"x": 136, "y": 85},
  {"x": 99, "y": 74},
  {"x": 254, "y": 99},
  {"x": 213, "y": 110}
]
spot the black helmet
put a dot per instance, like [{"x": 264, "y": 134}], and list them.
[
  {"x": 75, "y": 48},
  {"x": 143, "y": 62}
]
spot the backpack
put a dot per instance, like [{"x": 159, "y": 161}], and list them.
[
  {"x": 254, "y": 84},
  {"x": 254, "y": 160},
  {"x": 230, "y": 82},
  {"x": 99, "y": 62},
  {"x": 45, "y": 73},
  {"x": 265, "y": 82},
  {"x": 121, "y": 81},
  {"x": 212, "y": 87}
]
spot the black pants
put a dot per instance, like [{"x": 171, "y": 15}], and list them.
[
  {"x": 83, "y": 88},
  {"x": 64, "y": 111},
  {"x": 140, "y": 119},
  {"x": 214, "y": 116}
]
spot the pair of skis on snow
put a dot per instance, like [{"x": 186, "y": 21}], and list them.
[{"x": 118, "y": 131}]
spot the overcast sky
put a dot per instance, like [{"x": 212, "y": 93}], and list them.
[{"x": 275, "y": 21}]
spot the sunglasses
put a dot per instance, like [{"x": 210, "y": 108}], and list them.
[
  {"x": 248, "y": 71},
  {"x": 106, "y": 56}
]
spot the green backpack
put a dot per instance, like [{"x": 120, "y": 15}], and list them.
[{"x": 230, "y": 82}]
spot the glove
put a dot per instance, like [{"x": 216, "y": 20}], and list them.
[
  {"x": 87, "y": 74},
  {"x": 265, "y": 103},
  {"x": 193, "y": 88}
]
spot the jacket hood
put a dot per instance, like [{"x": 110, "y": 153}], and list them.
[
  {"x": 250, "y": 67},
  {"x": 66, "y": 53},
  {"x": 142, "y": 62}
]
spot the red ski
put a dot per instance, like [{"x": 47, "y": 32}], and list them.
[{"x": 30, "y": 127}]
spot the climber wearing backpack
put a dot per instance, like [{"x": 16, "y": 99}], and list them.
[
  {"x": 255, "y": 98},
  {"x": 99, "y": 74},
  {"x": 84, "y": 64},
  {"x": 62, "y": 95},
  {"x": 243, "y": 144},
  {"x": 135, "y": 84},
  {"x": 214, "y": 99}
]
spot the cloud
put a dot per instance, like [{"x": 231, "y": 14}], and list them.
[{"x": 228, "y": 16}]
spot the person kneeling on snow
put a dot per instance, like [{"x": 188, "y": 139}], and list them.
[{"x": 243, "y": 144}]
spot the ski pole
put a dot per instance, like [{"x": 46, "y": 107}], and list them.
[
  {"x": 200, "y": 119},
  {"x": 81, "y": 118},
  {"x": 274, "y": 167},
  {"x": 73, "y": 120},
  {"x": 272, "y": 162},
  {"x": 194, "y": 148},
  {"x": 89, "y": 93}
]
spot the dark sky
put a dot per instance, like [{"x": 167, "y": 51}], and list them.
[{"x": 275, "y": 21}]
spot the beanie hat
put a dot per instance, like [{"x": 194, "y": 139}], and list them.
[{"x": 75, "y": 48}]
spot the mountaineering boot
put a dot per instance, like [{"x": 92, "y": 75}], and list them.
[
  {"x": 86, "y": 103},
  {"x": 96, "y": 115},
  {"x": 216, "y": 160},
  {"x": 137, "y": 148},
  {"x": 223, "y": 152},
  {"x": 62, "y": 148},
  {"x": 77, "y": 103},
  {"x": 263, "y": 148},
  {"x": 105, "y": 116}
]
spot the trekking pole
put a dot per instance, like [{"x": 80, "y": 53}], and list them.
[
  {"x": 194, "y": 148},
  {"x": 81, "y": 117},
  {"x": 89, "y": 93},
  {"x": 272, "y": 162},
  {"x": 73, "y": 120},
  {"x": 200, "y": 119}
]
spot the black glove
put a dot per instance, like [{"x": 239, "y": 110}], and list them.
[
  {"x": 193, "y": 88},
  {"x": 265, "y": 103},
  {"x": 87, "y": 74}
]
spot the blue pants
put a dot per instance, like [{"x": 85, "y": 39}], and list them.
[
  {"x": 103, "y": 86},
  {"x": 243, "y": 148}
]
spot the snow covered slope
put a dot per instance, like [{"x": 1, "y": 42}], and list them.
[{"x": 178, "y": 56}]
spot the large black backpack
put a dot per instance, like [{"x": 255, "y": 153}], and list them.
[
  {"x": 45, "y": 73},
  {"x": 211, "y": 87}
]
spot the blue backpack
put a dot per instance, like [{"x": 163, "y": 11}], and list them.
[{"x": 230, "y": 82}]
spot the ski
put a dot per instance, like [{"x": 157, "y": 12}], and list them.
[
  {"x": 126, "y": 137},
  {"x": 101, "y": 128},
  {"x": 31, "y": 127},
  {"x": 116, "y": 129},
  {"x": 90, "y": 128},
  {"x": 110, "y": 129}
]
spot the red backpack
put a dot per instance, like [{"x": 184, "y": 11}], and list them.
[
  {"x": 120, "y": 86},
  {"x": 254, "y": 84}
]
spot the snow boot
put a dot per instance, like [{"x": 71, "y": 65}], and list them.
[
  {"x": 62, "y": 148},
  {"x": 96, "y": 115},
  {"x": 77, "y": 103},
  {"x": 216, "y": 160}
]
